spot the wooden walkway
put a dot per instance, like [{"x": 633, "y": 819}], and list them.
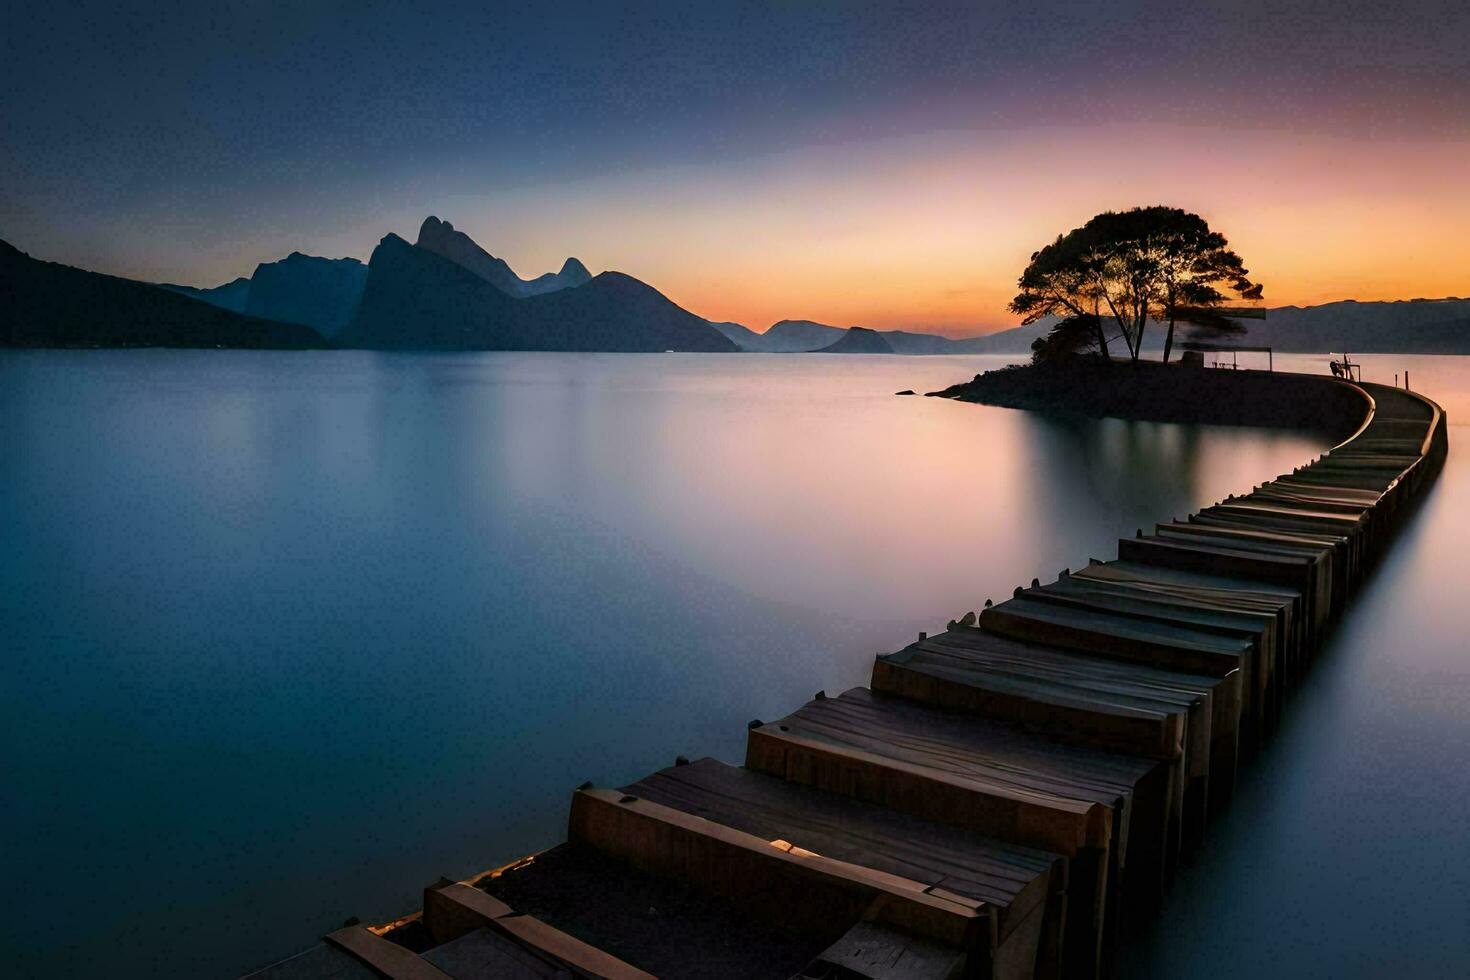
[{"x": 1010, "y": 798}]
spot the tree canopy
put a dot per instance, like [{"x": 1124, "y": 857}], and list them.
[
  {"x": 1068, "y": 337},
  {"x": 1147, "y": 263}
]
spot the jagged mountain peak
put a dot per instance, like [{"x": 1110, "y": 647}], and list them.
[
  {"x": 573, "y": 269},
  {"x": 433, "y": 226}
]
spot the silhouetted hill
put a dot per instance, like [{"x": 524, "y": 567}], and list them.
[
  {"x": 321, "y": 293},
  {"x": 793, "y": 336},
  {"x": 441, "y": 238},
  {"x": 418, "y": 299},
  {"x": 859, "y": 340},
  {"x": 46, "y": 304},
  {"x": 231, "y": 296},
  {"x": 1420, "y": 326},
  {"x": 906, "y": 342},
  {"x": 739, "y": 334},
  {"x": 1016, "y": 340},
  {"x": 573, "y": 274},
  {"x": 615, "y": 312}
]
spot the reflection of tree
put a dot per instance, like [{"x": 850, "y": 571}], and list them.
[{"x": 1101, "y": 479}]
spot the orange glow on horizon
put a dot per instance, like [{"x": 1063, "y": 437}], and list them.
[{"x": 929, "y": 233}]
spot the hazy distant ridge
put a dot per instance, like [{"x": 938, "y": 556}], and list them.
[
  {"x": 859, "y": 340},
  {"x": 1419, "y": 326}
]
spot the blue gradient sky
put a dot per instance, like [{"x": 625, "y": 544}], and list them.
[{"x": 848, "y": 163}]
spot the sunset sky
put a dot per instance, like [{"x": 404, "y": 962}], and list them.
[{"x": 838, "y": 162}]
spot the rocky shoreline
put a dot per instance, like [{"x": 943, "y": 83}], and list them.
[{"x": 1154, "y": 392}]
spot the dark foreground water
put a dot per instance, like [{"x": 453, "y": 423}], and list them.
[{"x": 286, "y": 636}]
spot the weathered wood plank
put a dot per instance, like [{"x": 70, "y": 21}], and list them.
[
  {"x": 454, "y": 910},
  {"x": 995, "y": 780},
  {"x": 1077, "y": 699},
  {"x": 869, "y": 951},
  {"x": 387, "y": 958},
  {"x": 750, "y": 871},
  {"x": 1009, "y": 879},
  {"x": 484, "y": 954}
]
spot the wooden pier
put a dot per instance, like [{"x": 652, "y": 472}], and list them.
[{"x": 1008, "y": 799}]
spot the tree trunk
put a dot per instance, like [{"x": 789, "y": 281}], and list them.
[
  {"x": 1102, "y": 336},
  {"x": 1172, "y": 296},
  {"x": 1122, "y": 327},
  {"x": 1142, "y": 327}
]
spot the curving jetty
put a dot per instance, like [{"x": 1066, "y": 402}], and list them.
[{"x": 1008, "y": 799}]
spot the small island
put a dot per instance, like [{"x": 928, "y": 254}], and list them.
[
  {"x": 1148, "y": 391},
  {"x": 1102, "y": 286}
]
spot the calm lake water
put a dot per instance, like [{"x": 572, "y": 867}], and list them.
[{"x": 288, "y": 635}]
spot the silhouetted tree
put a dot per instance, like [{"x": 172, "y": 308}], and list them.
[
  {"x": 1069, "y": 337},
  {"x": 1193, "y": 262},
  {"x": 1059, "y": 283},
  {"x": 1145, "y": 263}
]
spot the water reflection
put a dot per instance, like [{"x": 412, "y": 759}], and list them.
[{"x": 291, "y": 634}]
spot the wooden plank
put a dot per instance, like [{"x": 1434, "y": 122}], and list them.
[
  {"x": 1293, "y": 573},
  {"x": 1196, "y": 611},
  {"x": 658, "y": 925},
  {"x": 1101, "y": 810},
  {"x": 1319, "y": 558},
  {"x": 484, "y": 954},
  {"x": 1207, "y": 590},
  {"x": 1010, "y": 881},
  {"x": 1126, "y": 609},
  {"x": 875, "y": 952},
  {"x": 1077, "y": 699},
  {"x": 750, "y": 871},
  {"x": 1347, "y": 550},
  {"x": 1153, "y": 643},
  {"x": 321, "y": 962},
  {"x": 453, "y": 910},
  {"x": 1016, "y": 884},
  {"x": 387, "y": 958}
]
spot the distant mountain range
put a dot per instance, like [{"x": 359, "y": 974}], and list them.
[
  {"x": 231, "y": 296},
  {"x": 858, "y": 340},
  {"x": 802, "y": 336},
  {"x": 445, "y": 292},
  {"x": 416, "y": 298},
  {"x": 1418, "y": 326},
  {"x": 793, "y": 336},
  {"x": 321, "y": 293},
  {"x": 740, "y": 335},
  {"x": 441, "y": 238},
  {"x": 45, "y": 304}
]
